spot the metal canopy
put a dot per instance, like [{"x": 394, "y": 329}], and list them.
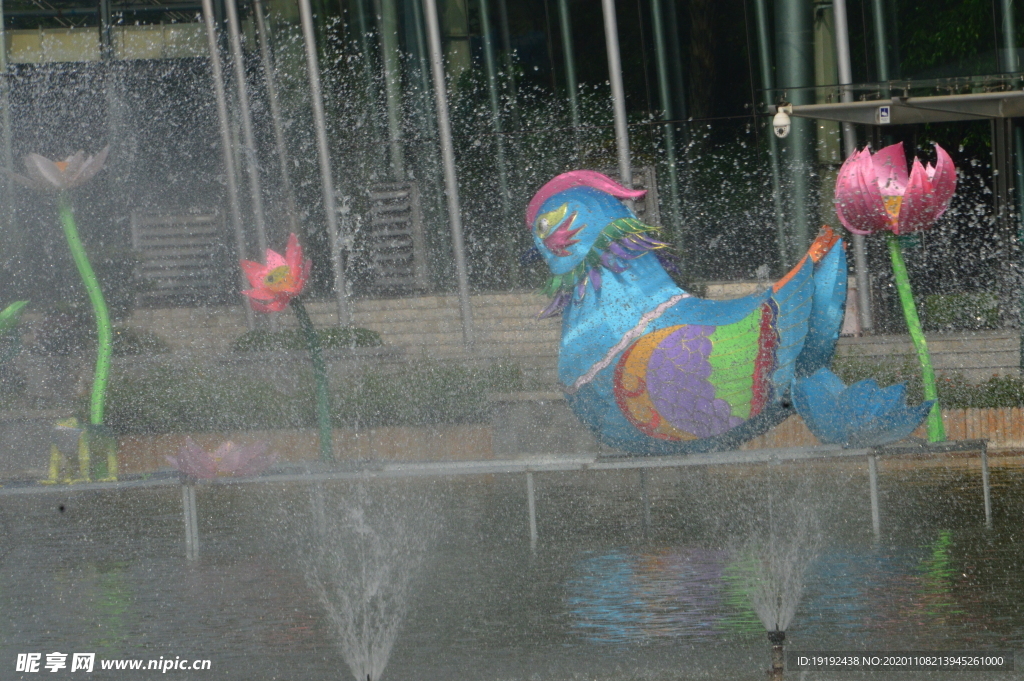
[{"x": 912, "y": 110}]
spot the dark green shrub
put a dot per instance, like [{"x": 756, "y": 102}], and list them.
[
  {"x": 129, "y": 341},
  {"x": 293, "y": 339},
  {"x": 64, "y": 331},
  {"x": 961, "y": 311},
  {"x": 426, "y": 393},
  {"x": 187, "y": 400},
  {"x": 955, "y": 392}
]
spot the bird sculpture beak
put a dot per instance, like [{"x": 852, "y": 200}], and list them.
[{"x": 562, "y": 237}]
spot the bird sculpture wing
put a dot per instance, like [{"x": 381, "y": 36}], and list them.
[{"x": 704, "y": 371}]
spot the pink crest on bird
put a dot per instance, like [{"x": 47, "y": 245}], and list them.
[{"x": 578, "y": 178}]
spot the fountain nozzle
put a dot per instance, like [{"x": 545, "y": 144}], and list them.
[{"x": 777, "y": 639}]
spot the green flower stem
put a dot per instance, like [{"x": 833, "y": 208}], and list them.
[
  {"x": 99, "y": 308},
  {"x": 936, "y": 431},
  {"x": 323, "y": 395}
]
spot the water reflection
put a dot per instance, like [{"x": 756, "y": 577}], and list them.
[
  {"x": 623, "y": 596},
  {"x": 108, "y": 575}
]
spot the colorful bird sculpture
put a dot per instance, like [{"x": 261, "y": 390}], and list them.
[{"x": 652, "y": 369}]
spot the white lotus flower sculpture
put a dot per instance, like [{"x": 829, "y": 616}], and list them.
[{"x": 47, "y": 175}]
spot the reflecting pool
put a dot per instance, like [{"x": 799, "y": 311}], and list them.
[{"x": 602, "y": 596}]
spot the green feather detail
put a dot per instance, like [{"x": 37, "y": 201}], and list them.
[
  {"x": 734, "y": 349},
  {"x": 613, "y": 231}
]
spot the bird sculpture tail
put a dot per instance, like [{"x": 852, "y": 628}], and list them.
[
  {"x": 861, "y": 415},
  {"x": 827, "y": 304}
]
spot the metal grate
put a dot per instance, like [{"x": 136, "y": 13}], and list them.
[
  {"x": 646, "y": 208},
  {"x": 393, "y": 242},
  {"x": 181, "y": 257}
]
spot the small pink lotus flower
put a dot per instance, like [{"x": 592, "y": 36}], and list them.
[
  {"x": 229, "y": 460},
  {"x": 875, "y": 192},
  {"x": 50, "y": 175},
  {"x": 279, "y": 280}
]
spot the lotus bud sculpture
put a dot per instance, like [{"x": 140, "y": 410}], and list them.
[
  {"x": 276, "y": 284},
  {"x": 229, "y": 459},
  {"x": 60, "y": 177},
  {"x": 875, "y": 193}
]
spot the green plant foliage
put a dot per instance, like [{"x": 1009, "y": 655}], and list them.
[
  {"x": 188, "y": 400},
  {"x": 64, "y": 330},
  {"x": 131, "y": 341},
  {"x": 67, "y": 331},
  {"x": 955, "y": 392},
  {"x": 185, "y": 399},
  {"x": 423, "y": 394},
  {"x": 961, "y": 311},
  {"x": 946, "y": 33},
  {"x": 11, "y": 315},
  {"x": 292, "y": 339}
]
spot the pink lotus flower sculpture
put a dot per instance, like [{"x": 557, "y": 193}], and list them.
[
  {"x": 229, "y": 460},
  {"x": 875, "y": 192},
  {"x": 50, "y": 175},
  {"x": 275, "y": 283}
]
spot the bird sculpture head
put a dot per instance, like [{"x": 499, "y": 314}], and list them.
[
  {"x": 580, "y": 227},
  {"x": 568, "y": 214}
]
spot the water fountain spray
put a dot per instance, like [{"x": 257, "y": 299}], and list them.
[
  {"x": 361, "y": 556},
  {"x": 775, "y": 568}
]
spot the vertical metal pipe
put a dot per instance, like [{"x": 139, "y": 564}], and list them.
[
  {"x": 510, "y": 73},
  {"x": 667, "y": 112},
  {"x": 187, "y": 518},
  {"x": 645, "y": 502},
  {"x": 252, "y": 165},
  {"x": 876, "y": 521},
  {"x": 878, "y": 19},
  {"x": 986, "y": 484},
  {"x": 531, "y": 504},
  {"x": 507, "y": 228},
  {"x": 364, "y": 47},
  {"x": 611, "y": 38},
  {"x": 1018, "y": 164},
  {"x": 270, "y": 76},
  {"x": 388, "y": 18},
  {"x": 423, "y": 66},
  {"x": 860, "y": 254},
  {"x": 795, "y": 60},
  {"x": 7, "y": 143},
  {"x": 675, "y": 61},
  {"x": 191, "y": 516},
  {"x": 764, "y": 51},
  {"x": 234, "y": 208},
  {"x": 444, "y": 130},
  {"x": 324, "y": 154},
  {"x": 1008, "y": 61},
  {"x": 571, "y": 85},
  {"x": 106, "y": 31}
]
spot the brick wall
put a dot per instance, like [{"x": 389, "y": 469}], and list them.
[
  {"x": 507, "y": 327},
  {"x": 978, "y": 355}
]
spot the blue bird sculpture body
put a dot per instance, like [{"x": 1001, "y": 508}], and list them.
[{"x": 652, "y": 369}]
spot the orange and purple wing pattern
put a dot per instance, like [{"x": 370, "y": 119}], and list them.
[{"x": 690, "y": 381}]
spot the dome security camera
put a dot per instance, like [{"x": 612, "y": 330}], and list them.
[{"x": 781, "y": 123}]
